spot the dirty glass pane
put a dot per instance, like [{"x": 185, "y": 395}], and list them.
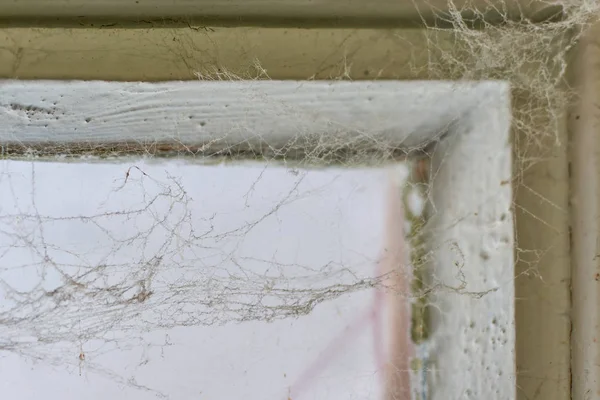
[{"x": 253, "y": 281}]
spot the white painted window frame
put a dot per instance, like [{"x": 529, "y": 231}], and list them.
[{"x": 464, "y": 127}]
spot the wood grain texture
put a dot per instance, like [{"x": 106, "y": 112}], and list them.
[{"x": 313, "y": 115}]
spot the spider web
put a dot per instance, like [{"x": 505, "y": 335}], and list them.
[{"x": 147, "y": 268}]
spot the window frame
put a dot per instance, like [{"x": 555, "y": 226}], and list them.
[{"x": 463, "y": 127}]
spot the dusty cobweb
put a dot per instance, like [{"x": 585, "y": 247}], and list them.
[{"x": 171, "y": 263}]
